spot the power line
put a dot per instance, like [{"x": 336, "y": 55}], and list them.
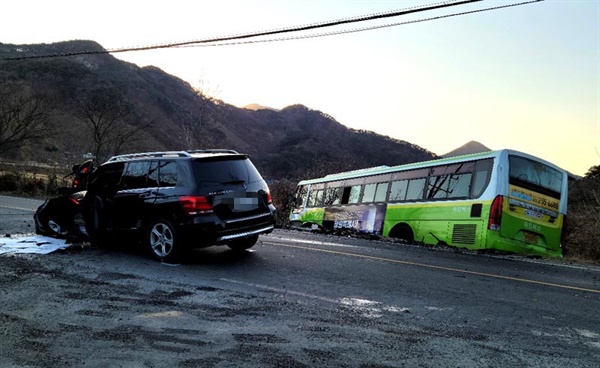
[
  {"x": 222, "y": 41},
  {"x": 307, "y": 27},
  {"x": 356, "y": 30},
  {"x": 338, "y": 22}
]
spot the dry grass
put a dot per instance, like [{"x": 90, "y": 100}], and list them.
[
  {"x": 281, "y": 191},
  {"x": 581, "y": 238}
]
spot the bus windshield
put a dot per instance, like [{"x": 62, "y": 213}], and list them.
[{"x": 535, "y": 175}]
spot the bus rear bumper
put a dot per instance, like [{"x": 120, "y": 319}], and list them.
[{"x": 500, "y": 243}]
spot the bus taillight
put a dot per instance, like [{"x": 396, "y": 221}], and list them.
[{"x": 496, "y": 214}]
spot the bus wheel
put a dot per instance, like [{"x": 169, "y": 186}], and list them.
[{"x": 403, "y": 232}]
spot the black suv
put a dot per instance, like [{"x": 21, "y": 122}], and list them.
[{"x": 173, "y": 201}]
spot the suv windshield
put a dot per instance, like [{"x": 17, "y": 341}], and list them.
[{"x": 237, "y": 171}]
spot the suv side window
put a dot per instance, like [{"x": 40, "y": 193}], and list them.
[
  {"x": 135, "y": 175},
  {"x": 153, "y": 175},
  {"x": 168, "y": 174},
  {"x": 106, "y": 179}
]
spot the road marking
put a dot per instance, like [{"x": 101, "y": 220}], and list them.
[
  {"x": 34, "y": 202},
  {"x": 364, "y": 307},
  {"x": 18, "y": 208},
  {"x": 282, "y": 291},
  {"x": 316, "y": 242},
  {"x": 437, "y": 267}
]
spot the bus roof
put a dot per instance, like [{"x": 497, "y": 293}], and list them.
[{"x": 417, "y": 165}]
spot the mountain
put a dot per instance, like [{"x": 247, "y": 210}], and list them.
[
  {"x": 255, "y": 107},
  {"x": 152, "y": 110},
  {"x": 466, "y": 149}
]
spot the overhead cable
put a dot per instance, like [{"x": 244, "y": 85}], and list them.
[
  {"x": 338, "y": 22},
  {"x": 356, "y": 30},
  {"x": 225, "y": 41}
]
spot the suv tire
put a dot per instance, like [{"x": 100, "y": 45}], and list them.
[
  {"x": 162, "y": 240},
  {"x": 242, "y": 244}
]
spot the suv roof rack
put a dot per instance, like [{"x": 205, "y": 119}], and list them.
[
  {"x": 130, "y": 156},
  {"x": 215, "y": 150}
]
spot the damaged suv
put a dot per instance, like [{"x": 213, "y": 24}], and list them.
[{"x": 173, "y": 201}]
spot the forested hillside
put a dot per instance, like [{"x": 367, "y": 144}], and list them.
[{"x": 96, "y": 103}]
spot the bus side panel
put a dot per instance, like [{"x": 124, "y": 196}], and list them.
[
  {"x": 365, "y": 218},
  {"x": 461, "y": 224},
  {"x": 311, "y": 216},
  {"x": 400, "y": 214}
]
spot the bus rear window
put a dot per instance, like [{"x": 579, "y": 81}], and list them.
[{"x": 535, "y": 175}]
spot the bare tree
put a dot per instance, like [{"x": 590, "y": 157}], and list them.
[
  {"x": 24, "y": 118},
  {"x": 111, "y": 121},
  {"x": 322, "y": 166},
  {"x": 195, "y": 124}
]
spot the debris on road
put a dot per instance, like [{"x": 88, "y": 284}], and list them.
[{"x": 37, "y": 244}]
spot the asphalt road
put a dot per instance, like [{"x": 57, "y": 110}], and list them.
[{"x": 295, "y": 300}]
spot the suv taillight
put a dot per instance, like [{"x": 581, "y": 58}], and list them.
[
  {"x": 496, "y": 214},
  {"x": 195, "y": 205},
  {"x": 269, "y": 198}
]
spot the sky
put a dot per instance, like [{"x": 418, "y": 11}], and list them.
[{"x": 525, "y": 77}]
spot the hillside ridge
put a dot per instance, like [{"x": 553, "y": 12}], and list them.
[{"x": 166, "y": 113}]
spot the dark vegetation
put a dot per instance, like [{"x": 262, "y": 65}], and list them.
[
  {"x": 582, "y": 234},
  {"x": 55, "y": 110}
]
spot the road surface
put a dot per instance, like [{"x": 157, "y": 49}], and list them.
[{"x": 296, "y": 299}]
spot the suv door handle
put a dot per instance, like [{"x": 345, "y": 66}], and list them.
[{"x": 147, "y": 194}]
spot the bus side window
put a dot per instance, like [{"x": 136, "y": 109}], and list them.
[
  {"x": 398, "y": 190},
  {"x": 481, "y": 177},
  {"x": 369, "y": 194},
  {"x": 315, "y": 198},
  {"x": 460, "y": 186},
  {"x": 381, "y": 192},
  {"x": 355, "y": 194},
  {"x": 437, "y": 187},
  {"x": 415, "y": 189},
  {"x": 332, "y": 196},
  {"x": 300, "y": 197},
  {"x": 351, "y": 194}
]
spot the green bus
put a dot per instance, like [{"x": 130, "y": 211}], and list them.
[{"x": 502, "y": 200}]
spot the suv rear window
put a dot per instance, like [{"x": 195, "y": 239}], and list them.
[{"x": 227, "y": 171}]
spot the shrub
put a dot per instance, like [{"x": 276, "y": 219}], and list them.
[
  {"x": 52, "y": 184},
  {"x": 282, "y": 191},
  {"x": 582, "y": 233},
  {"x": 9, "y": 182},
  {"x": 32, "y": 186}
]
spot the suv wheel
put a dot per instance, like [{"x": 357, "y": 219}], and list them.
[
  {"x": 161, "y": 239},
  {"x": 243, "y": 243},
  {"x": 55, "y": 228}
]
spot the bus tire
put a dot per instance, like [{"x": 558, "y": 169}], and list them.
[{"x": 403, "y": 232}]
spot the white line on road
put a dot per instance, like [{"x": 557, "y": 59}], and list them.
[
  {"x": 364, "y": 307},
  {"x": 315, "y": 242}
]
